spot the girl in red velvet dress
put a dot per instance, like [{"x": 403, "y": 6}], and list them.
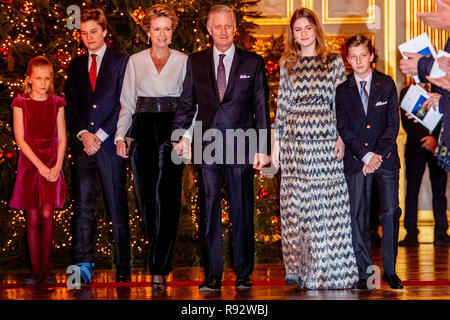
[{"x": 40, "y": 132}]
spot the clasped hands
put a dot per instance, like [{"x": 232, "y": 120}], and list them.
[
  {"x": 373, "y": 165},
  {"x": 50, "y": 174},
  {"x": 91, "y": 143}
]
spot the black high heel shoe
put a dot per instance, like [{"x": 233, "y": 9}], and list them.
[{"x": 159, "y": 286}]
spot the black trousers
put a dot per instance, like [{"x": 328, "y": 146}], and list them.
[
  {"x": 85, "y": 172},
  {"x": 158, "y": 186},
  {"x": 360, "y": 189},
  {"x": 416, "y": 159},
  {"x": 239, "y": 186}
]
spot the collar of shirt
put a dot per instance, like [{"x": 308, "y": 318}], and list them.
[
  {"x": 100, "y": 53},
  {"x": 227, "y": 60},
  {"x": 368, "y": 79}
]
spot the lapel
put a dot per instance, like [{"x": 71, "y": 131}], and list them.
[
  {"x": 233, "y": 78},
  {"x": 376, "y": 89},
  {"x": 354, "y": 91},
  {"x": 212, "y": 73},
  {"x": 85, "y": 72},
  {"x": 102, "y": 72}
]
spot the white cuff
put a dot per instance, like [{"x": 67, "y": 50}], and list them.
[
  {"x": 102, "y": 135},
  {"x": 366, "y": 159},
  {"x": 79, "y": 134}
]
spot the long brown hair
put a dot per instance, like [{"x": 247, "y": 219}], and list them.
[
  {"x": 38, "y": 61},
  {"x": 293, "y": 51}
]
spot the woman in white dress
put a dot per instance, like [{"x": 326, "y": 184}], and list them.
[{"x": 150, "y": 93}]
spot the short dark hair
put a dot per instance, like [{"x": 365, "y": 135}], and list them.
[
  {"x": 96, "y": 15},
  {"x": 360, "y": 40}
]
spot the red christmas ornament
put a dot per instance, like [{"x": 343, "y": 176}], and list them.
[
  {"x": 263, "y": 193},
  {"x": 271, "y": 68},
  {"x": 9, "y": 155},
  {"x": 4, "y": 51}
]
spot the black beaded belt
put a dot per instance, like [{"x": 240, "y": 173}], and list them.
[{"x": 157, "y": 104}]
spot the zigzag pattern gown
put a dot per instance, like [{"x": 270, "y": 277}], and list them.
[{"x": 314, "y": 201}]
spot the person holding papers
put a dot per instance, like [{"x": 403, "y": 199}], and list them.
[
  {"x": 368, "y": 122},
  {"x": 420, "y": 146}
]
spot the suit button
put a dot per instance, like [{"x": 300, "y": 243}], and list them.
[
  {"x": 92, "y": 123},
  {"x": 368, "y": 126},
  {"x": 366, "y": 144},
  {"x": 94, "y": 106}
]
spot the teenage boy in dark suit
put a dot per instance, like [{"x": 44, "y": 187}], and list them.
[{"x": 368, "y": 123}]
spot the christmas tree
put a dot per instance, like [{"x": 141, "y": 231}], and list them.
[{"x": 42, "y": 27}]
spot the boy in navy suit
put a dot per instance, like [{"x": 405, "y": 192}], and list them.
[
  {"x": 368, "y": 123},
  {"x": 93, "y": 88}
]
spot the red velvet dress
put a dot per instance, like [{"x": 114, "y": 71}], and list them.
[{"x": 32, "y": 190}]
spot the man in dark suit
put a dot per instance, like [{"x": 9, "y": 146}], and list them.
[
  {"x": 368, "y": 123},
  {"x": 93, "y": 89},
  {"x": 419, "y": 152},
  {"x": 230, "y": 89}
]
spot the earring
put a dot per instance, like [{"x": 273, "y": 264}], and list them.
[{"x": 148, "y": 39}]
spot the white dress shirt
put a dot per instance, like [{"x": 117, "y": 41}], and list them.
[
  {"x": 142, "y": 80},
  {"x": 368, "y": 156},
  {"x": 227, "y": 60},
  {"x": 101, "y": 134}
]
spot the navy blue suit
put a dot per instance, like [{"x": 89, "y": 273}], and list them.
[
  {"x": 377, "y": 132},
  {"x": 244, "y": 106},
  {"x": 90, "y": 110}
]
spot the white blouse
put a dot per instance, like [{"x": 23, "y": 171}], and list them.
[{"x": 141, "y": 79}]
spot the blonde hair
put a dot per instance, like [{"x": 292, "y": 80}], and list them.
[
  {"x": 157, "y": 11},
  {"x": 293, "y": 51},
  {"x": 39, "y": 61}
]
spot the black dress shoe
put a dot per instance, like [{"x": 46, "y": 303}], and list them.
[
  {"x": 361, "y": 285},
  {"x": 210, "y": 284},
  {"x": 393, "y": 280},
  {"x": 409, "y": 241},
  {"x": 442, "y": 241},
  {"x": 243, "y": 282},
  {"x": 123, "y": 275}
]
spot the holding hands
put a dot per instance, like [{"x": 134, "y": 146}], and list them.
[
  {"x": 50, "y": 175},
  {"x": 183, "y": 148}
]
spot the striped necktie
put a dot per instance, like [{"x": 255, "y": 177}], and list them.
[{"x": 364, "y": 95}]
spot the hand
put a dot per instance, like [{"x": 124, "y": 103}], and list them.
[
  {"x": 410, "y": 116},
  {"x": 375, "y": 162},
  {"x": 432, "y": 101},
  {"x": 91, "y": 143},
  {"x": 260, "y": 161},
  {"x": 366, "y": 170},
  {"x": 429, "y": 143},
  {"x": 444, "y": 64},
  {"x": 339, "y": 149},
  {"x": 409, "y": 66},
  {"x": 54, "y": 174},
  {"x": 183, "y": 148},
  {"x": 443, "y": 82},
  {"x": 44, "y": 171},
  {"x": 276, "y": 154},
  {"x": 438, "y": 19},
  {"x": 121, "y": 149}
]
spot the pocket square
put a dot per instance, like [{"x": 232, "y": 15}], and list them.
[
  {"x": 244, "y": 76},
  {"x": 380, "y": 103}
]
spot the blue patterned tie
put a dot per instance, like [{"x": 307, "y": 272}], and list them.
[
  {"x": 364, "y": 95},
  {"x": 221, "y": 77}
]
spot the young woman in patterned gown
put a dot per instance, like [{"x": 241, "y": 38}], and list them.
[{"x": 314, "y": 201}]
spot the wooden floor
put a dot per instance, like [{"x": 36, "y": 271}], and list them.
[{"x": 425, "y": 271}]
